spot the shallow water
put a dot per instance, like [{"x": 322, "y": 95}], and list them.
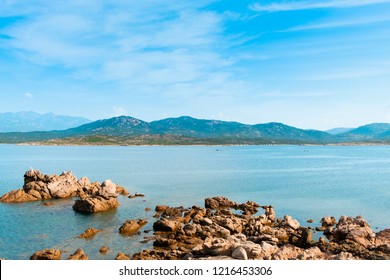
[{"x": 307, "y": 182}]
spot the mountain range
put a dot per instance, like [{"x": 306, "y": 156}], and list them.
[
  {"x": 126, "y": 130},
  {"x": 31, "y": 121}
]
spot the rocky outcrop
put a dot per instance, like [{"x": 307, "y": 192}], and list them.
[
  {"x": 46, "y": 254},
  {"x": 38, "y": 186},
  {"x": 218, "y": 232},
  {"x": 78, "y": 255},
  {"x": 89, "y": 233},
  {"x": 131, "y": 226}
]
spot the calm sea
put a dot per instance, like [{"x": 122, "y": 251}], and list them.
[{"x": 306, "y": 182}]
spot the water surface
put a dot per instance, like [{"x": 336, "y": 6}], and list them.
[{"x": 307, "y": 182}]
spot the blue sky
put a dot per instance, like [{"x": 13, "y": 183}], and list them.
[{"x": 311, "y": 64}]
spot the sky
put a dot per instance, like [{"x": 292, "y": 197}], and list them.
[{"x": 315, "y": 64}]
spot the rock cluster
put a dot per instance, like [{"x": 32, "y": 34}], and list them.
[
  {"x": 218, "y": 232},
  {"x": 94, "y": 197}
]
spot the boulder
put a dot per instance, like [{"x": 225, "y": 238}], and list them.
[
  {"x": 46, "y": 254},
  {"x": 89, "y": 233},
  {"x": 220, "y": 202},
  {"x": 78, "y": 255},
  {"x": 289, "y": 221},
  {"x": 65, "y": 185},
  {"x": 356, "y": 229},
  {"x": 240, "y": 254},
  {"x": 161, "y": 208},
  {"x": 107, "y": 190},
  {"x": 95, "y": 204},
  {"x": 131, "y": 226},
  {"x": 328, "y": 221},
  {"x": 166, "y": 225},
  {"x": 18, "y": 196}
]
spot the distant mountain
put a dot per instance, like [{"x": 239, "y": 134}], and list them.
[
  {"x": 374, "y": 131},
  {"x": 186, "y": 130},
  {"x": 338, "y": 130},
  {"x": 31, "y": 121}
]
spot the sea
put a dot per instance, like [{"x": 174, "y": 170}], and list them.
[{"x": 305, "y": 182}]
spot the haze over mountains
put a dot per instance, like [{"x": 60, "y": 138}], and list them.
[
  {"x": 31, "y": 121},
  {"x": 184, "y": 129}
]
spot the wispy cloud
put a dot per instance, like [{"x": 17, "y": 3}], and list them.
[
  {"x": 339, "y": 23},
  {"x": 307, "y": 5},
  {"x": 347, "y": 74},
  {"x": 29, "y": 95}
]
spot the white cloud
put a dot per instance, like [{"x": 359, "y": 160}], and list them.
[
  {"x": 307, "y": 5},
  {"x": 29, "y": 95},
  {"x": 336, "y": 24}
]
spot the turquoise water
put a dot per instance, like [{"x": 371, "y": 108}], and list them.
[{"x": 307, "y": 182}]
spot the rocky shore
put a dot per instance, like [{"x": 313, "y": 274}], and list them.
[
  {"x": 222, "y": 229},
  {"x": 219, "y": 231}
]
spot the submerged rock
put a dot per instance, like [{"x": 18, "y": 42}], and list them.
[{"x": 89, "y": 233}]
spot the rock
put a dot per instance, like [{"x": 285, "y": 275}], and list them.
[
  {"x": 46, "y": 254},
  {"x": 131, "y": 226},
  {"x": 121, "y": 190},
  {"x": 107, "y": 190},
  {"x": 166, "y": 225},
  {"x": 51, "y": 203},
  {"x": 18, "y": 196},
  {"x": 78, "y": 255},
  {"x": 161, "y": 208},
  {"x": 310, "y": 221},
  {"x": 288, "y": 220},
  {"x": 249, "y": 208},
  {"x": 270, "y": 213},
  {"x": 147, "y": 209},
  {"x": 220, "y": 202},
  {"x": 89, "y": 233},
  {"x": 103, "y": 250},
  {"x": 355, "y": 229},
  {"x": 234, "y": 224},
  {"x": 38, "y": 186},
  {"x": 287, "y": 252},
  {"x": 240, "y": 254},
  {"x": 217, "y": 246},
  {"x": 313, "y": 253},
  {"x": 164, "y": 242},
  {"x": 159, "y": 255},
  {"x": 268, "y": 249},
  {"x": 95, "y": 204},
  {"x": 328, "y": 221},
  {"x": 206, "y": 222},
  {"x": 63, "y": 186},
  {"x": 122, "y": 257}
]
